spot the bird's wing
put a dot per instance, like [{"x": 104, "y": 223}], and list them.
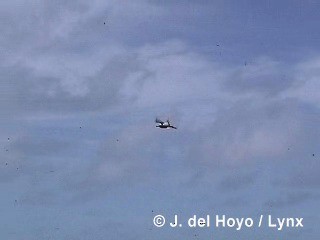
[
  {"x": 173, "y": 127},
  {"x": 159, "y": 121}
]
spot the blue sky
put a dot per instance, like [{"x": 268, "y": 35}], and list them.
[{"x": 80, "y": 155}]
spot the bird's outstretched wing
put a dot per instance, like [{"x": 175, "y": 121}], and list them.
[
  {"x": 159, "y": 121},
  {"x": 173, "y": 127}
]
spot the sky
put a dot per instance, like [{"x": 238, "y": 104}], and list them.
[{"x": 81, "y": 83}]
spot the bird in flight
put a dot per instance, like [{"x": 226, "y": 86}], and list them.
[{"x": 163, "y": 124}]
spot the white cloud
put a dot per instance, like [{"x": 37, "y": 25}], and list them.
[{"x": 307, "y": 85}]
